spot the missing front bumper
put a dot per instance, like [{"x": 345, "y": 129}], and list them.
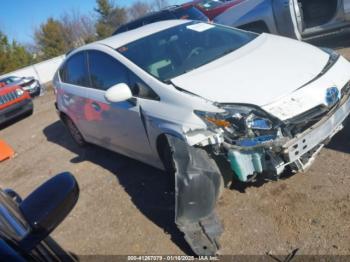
[{"x": 298, "y": 153}]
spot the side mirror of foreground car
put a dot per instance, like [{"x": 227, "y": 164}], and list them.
[
  {"x": 47, "y": 207},
  {"x": 118, "y": 93}
]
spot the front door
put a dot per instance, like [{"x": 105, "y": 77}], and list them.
[{"x": 117, "y": 126}]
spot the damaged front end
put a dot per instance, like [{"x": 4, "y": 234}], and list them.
[
  {"x": 254, "y": 144},
  {"x": 252, "y": 140}
]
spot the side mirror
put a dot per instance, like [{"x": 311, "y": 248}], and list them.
[
  {"x": 118, "y": 93},
  {"x": 47, "y": 207}
]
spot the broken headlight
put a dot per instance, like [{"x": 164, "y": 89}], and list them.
[{"x": 242, "y": 125}]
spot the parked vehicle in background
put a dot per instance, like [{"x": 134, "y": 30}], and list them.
[
  {"x": 172, "y": 12},
  {"x": 299, "y": 19},
  {"x": 29, "y": 84},
  {"x": 26, "y": 225},
  {"x": 14, "y": 102},
  {"x": 212, "y": 8},
  {"x": 194, "y": 98}
]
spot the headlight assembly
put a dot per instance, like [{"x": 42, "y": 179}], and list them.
[
  {"x": 19, "y": 92},
  {"x": 240, "y": 122}
]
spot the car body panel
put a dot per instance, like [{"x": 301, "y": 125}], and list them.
[
  {"x": 259, "y": 71},
  {"x": 247, "y": 12},
  {"x": 313, "y": 94},
  {"x": 13, "y": 105},
  {"x": 120, "y": 126}
]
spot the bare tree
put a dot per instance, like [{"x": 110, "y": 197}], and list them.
[
  {"x": 78, "y": 29},
  {"x": 138, "y": 9}
]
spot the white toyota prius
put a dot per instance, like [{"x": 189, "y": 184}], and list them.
[{"x": 193, "y": 97}]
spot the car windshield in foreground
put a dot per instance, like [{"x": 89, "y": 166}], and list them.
[{"x": 180, "y": 49}]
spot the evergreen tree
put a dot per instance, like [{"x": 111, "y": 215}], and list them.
[
  {"x": 50, "y": 39},
  {"x": 110, "y": 18}
]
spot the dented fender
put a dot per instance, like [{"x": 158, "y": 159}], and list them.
[{"x": 198, "y": 182}]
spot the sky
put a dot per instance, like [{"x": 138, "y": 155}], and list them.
[{"x": 19, "y": 18}]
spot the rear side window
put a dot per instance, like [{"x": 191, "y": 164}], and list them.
[
  {"x": 74, "y": 71},
  {"x": 105, "y": 71}
]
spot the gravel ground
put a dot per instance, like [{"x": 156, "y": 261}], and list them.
[{"x": 125, "y": 206}]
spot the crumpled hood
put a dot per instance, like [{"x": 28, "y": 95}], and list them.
[{"x": 261, "y": 72}]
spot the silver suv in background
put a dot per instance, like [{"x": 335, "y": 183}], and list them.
[{"x": 299, "y": 19}]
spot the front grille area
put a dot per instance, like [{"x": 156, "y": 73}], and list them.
[
  {"x": 307, "y": 119},
  {"x": 8, "y": 97}
]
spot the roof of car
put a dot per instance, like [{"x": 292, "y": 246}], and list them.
[{"x": 138, "y": 33}]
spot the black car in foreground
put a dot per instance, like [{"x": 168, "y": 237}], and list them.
[
  {"x": 172, "y": 12},
  {"x": 25, "y": 226}
]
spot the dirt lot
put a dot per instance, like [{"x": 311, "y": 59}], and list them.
[{"x": 125, "y": 206}]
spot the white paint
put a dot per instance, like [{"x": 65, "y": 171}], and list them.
[
  {"x": 261, "y": 72},
  {"x": 118, "y": 93}
]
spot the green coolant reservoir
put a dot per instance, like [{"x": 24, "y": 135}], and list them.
[{"x": 245, "y": 163}]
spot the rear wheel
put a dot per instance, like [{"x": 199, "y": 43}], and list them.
[{"x": 74, "y": 131}]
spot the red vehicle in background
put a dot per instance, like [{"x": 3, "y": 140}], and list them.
[
  {"x": 213, "y": 8},
  {"x": 14, "y": 102}
]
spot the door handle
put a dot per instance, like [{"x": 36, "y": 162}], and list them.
[{"x": 96, "y": 106}]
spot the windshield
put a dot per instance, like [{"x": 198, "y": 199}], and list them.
[
  {"x": 10, "y": 79},
  {"x": 180, "y": 49},
  {"x": 209, "y": 4}
]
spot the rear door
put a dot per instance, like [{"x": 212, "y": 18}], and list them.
[
  {"x": 117, "y": 126},
  {"x": 73, "y": 95}
]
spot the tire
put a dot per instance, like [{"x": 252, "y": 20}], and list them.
[
  {"x": 166, "y": 157},
  {"x": 74, "y": 132},
  {"x": 30, "y": 112}
]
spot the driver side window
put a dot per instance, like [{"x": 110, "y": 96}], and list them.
[{"x": 105, "y": 71}]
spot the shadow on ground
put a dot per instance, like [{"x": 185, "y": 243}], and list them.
[
  {"x": 341, "y": 141},
  {"x": 149, "y": 188},
  {"x": 13, "y": 121}
]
